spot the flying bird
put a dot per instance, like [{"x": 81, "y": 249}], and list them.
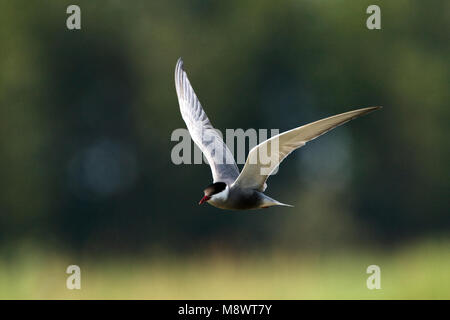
[{"x": 245, "y": 190}]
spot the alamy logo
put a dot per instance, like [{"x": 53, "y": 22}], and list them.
[
  {"x": 74, "y": 280},
  {"x": 73, "y": 21},
  {"x": 213, "y": 147},
  {"x": 374, "y": 281},
  {"x": 374, "y": 20}
]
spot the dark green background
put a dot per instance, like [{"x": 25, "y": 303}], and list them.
[{"x": 86, "y": 118}]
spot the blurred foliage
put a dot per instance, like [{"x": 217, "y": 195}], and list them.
[
  {"x": 86, "y": 118},
  {"x": 413, "y": 272}
]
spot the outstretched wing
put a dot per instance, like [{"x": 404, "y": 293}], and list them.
[
  {"x": 263, "y": 159},
  {"x": 220, "y": 159}
]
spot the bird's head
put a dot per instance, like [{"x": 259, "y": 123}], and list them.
[{"x": 214, "y": 190}]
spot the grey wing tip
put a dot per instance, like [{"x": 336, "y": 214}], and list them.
[
  {"x": 180, "y": 63},
  {"x": 374, "y": 108},
  {"x": 179, "y": 67},
  {"x": 368, "y": 110},
  {"x": 179, "y": 76}
]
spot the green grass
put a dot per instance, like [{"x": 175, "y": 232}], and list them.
[{"x": 419, "y": 272}]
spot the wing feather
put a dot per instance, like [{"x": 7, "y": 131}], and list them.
[
  {"x": 263, "y": 159},
  {"x": 220, "y": 158}
]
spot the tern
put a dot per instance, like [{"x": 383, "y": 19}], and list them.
[{"x": 230, "y": 189}]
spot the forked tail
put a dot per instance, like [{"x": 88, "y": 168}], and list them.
[{"x": 269, "y": 202}]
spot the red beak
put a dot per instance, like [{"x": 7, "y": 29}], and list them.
[{"x": 204, "y": 199}]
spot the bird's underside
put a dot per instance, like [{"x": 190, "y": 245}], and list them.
[
  {"x": 242, "y": 191},
  {"x": 244, "y": 199}
]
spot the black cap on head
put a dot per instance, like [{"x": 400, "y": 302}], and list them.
[{"x": 215, "y": 188}]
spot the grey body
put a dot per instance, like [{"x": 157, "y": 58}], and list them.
[
  {"x": 237, "y": 198},
  {"x": 243, "y": 191}
]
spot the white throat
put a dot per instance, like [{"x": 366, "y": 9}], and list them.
[{"x": 221, "y": 196}]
